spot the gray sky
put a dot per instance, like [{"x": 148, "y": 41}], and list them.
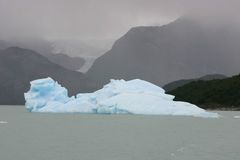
[{"x": 101, "y": 19}]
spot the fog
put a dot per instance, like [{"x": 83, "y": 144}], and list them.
[
  {"x": 105, "y": 19},
  {"x": 100, "y": 23}
]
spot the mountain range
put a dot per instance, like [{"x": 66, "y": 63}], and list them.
[{"x": 183, "y": 49}]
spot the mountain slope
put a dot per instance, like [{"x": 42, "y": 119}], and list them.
[
  {"x": 179, "y": 83},
  {"x": 19, "y": 66},
  {"x": 45, "y": 48},
  {"x": 183, "y": 49},
  {"x": 211, "y": 94},
  {"x": 71, "y": 63},
  {"x": 3, "y": 45}
]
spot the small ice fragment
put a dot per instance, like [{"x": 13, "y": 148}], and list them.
[
  {"x": 236, "y": 116},
  {"x": 3, "y": 122},
  {"x": 181, "y": 149},
  {"x": 172, "y": 154}
]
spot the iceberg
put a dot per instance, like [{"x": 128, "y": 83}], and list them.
[{"x": 118, "y": 97}]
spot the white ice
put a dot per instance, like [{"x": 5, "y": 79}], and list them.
[
  {"x": 3, "y": 122},
  {"x": 117, "y": 97}
]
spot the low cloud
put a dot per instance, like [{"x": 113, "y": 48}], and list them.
[{"x": 103, "y": 19}]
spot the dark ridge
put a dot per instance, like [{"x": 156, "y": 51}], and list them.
[
  {"x": 212, "y": 94},
  {"x": 19, "y": 66},
  {"x": 173, "y": 85}
]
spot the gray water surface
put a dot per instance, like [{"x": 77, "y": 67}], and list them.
[{"x": 38, "y": 136}]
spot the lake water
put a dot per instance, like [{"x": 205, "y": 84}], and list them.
[{"x": 36, "y": 136}]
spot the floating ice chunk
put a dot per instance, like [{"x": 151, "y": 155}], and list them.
[
  {"x": 117, "y": 97},
  {"x": 3, "y": 122},
  {"x": 236, "y": 116}
]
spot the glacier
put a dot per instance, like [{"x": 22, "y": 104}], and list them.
[{"x": 118, "y": 97}]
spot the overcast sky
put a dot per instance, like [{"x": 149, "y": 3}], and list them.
[{"x": 100, "y": 19}]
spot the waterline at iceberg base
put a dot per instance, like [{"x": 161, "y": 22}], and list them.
[{"x": 118, "y": 97}]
